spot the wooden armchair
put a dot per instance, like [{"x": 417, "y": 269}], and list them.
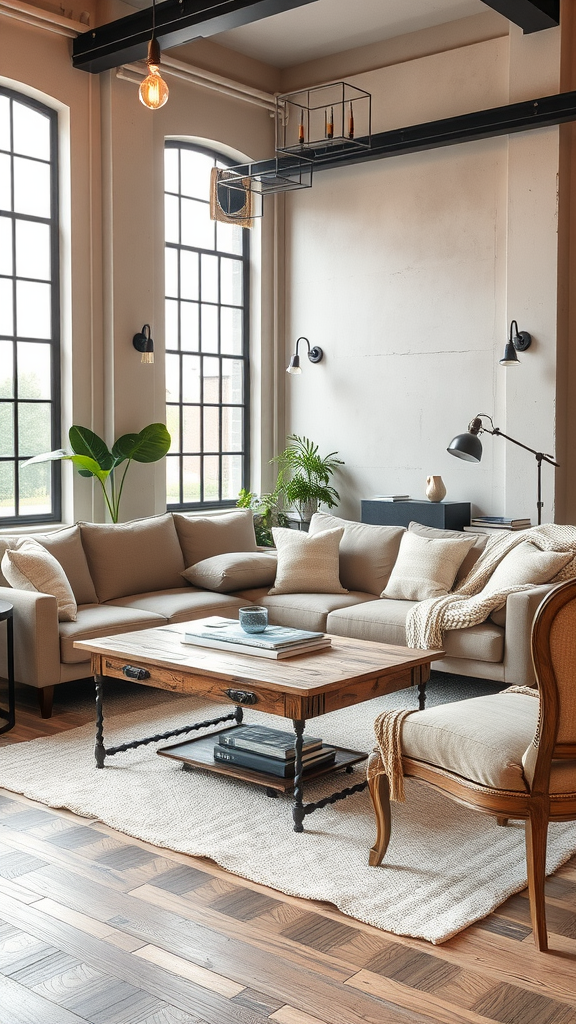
[{"x": 508, "y": 754}]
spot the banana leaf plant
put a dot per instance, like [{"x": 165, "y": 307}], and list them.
[{"x": 92, "y": 457}]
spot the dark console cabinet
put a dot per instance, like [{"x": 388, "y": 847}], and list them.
[{"x": 444, "y": 515}]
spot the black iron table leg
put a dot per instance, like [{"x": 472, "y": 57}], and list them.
[
  {"x": 6, "y": 613},
  {"x": 298, "y": 811},
  {"x": 99, "y": 749}
]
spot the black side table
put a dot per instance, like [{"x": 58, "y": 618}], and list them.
[{"x": 6, "y": 615}]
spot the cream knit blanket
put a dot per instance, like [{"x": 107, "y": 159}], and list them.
[{"x": 473, "y": 600}]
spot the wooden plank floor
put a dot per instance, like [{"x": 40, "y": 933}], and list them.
[{"x": 98, "y": 927}]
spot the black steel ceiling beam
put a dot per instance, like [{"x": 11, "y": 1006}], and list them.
[
  {"x": 482, "y": 124},
  {"x": 177, "y": 22},
  {"x": 530, "y": 15}
]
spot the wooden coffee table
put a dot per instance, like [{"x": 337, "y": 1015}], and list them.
[{"x": 299, "y": 688}]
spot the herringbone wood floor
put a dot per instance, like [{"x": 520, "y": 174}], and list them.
[{"x": 98, "y": 927}]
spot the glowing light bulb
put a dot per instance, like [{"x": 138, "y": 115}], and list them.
[{"x": 153, "y": 90}]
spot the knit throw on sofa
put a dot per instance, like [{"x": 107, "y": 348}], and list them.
[{"x": 474, "y": 599}]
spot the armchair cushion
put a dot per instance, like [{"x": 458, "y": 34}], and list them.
[{"x": 482, "y": 739}]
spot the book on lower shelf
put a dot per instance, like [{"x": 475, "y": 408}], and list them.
[
  {"x": 259, "y": 739},
  {"x": 272, "y": 765}
]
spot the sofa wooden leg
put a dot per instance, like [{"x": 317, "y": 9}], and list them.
[{"x": 45, "y": 700}]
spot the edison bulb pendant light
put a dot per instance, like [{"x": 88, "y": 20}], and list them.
[{"x": 153, "y": 90}]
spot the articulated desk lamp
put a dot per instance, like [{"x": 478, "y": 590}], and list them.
[{"x": 469, "y": 447}]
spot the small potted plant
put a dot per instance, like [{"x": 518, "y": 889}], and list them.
[
  {"x": 304, "y": 477},
  {"x": 266, "y": 514}
]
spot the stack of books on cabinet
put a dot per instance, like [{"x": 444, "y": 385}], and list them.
[
  {"x": 274, "y": 642},
  {"x": 495, "y": 524},
  {"x": 272, "y": 751}
]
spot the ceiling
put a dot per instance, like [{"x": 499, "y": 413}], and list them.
[
  {"x": 325, "y": 27},
  {"x": 330, "y": 26}
]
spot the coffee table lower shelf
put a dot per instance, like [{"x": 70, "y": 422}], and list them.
[{"x": 199, "y": 753}]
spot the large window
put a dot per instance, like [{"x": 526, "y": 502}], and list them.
[
  {"x": 206, "y": 337},
  {"x": 29, "y": 309}
]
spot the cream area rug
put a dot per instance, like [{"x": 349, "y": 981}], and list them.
[{"x": 445, "y": 867}]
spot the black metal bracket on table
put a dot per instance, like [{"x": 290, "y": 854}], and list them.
[{"x": 101, "y": 752}]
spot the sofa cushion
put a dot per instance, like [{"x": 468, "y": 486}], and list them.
[
  {"x": 182, "y": 604},
  {"x": 204, "y": 536},
  {"x": 307, "y": 563},
  {"x": 474, "y": 553},
  {"x": 234, "y": 570},
  {"x": 426, "y": 567},
  {"x": 482, "y": 739},
  {"x": 66, "y": 546},
  {"x": 101, "y": 620},
  {"x": 385, "y": 622},
  {"x": 304, "y": 611},
  {"x": 367, "y": 552},
  {"x": 133, "y": 558},
  {"x": 526, "y": 563},
  {"x": 29, "y": 566}
]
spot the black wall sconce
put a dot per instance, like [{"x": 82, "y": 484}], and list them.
[
  {"x": 518, "y": 341},
  {"x": 143, "y": 342},
  {"x": 315, "y": 354}
]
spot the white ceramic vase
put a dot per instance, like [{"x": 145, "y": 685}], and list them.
[{"x": 435, "y": 489}]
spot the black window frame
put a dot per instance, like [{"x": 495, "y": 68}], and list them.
[
  {"x": 220, "y": 160},
  {"x": 55, "y": 340}
]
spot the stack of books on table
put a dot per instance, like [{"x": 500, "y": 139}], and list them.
[
  {"x": 274, "y": 642},
  {"x": 390, "y": 497},
  {"x": 270, "y": 750},
  {"x": 489, "y": 523}
]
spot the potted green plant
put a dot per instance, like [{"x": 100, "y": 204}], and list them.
[
  {"x": 92, "y": 457},
  {"x": 304, "y": 477},
  {"x": 266, "y": 514}
]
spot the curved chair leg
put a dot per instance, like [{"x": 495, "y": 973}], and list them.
[
  {"x": 380, "y": 793},
  {"x": 536, "y": 841}
]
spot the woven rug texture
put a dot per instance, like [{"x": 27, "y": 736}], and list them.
[{"x": 445, "y": 868}]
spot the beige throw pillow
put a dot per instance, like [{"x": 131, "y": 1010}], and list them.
[
  {"x": 66, "y": 546},
  {"x": 29, "y": 566},
  {"x": 367, "y": 552},
  {"x": 526, "y": 564},
  {"x": 204, "y": 536},
  {"x": 425, "y": 567},
  {"x": 236, "y": 570},
  {"x": 307, "y": 563},
  {"x": 474, "y": 553}
]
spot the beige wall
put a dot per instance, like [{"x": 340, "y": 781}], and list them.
[{"x": 408, "y": 271}]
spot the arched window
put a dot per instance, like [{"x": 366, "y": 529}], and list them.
[
  {"x": 207, "y": 266},
  {"x": 29, "y": 309}
]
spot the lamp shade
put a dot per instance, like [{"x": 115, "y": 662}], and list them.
[
  {"x": 466, "y": 446},
  {"x": 510, "y": 358}
]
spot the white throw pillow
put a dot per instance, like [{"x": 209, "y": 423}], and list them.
[
  {"x": 526, "y": 564},
  {"x": 426, "y": 567},
  {"x": 29, "y": 566},
  {"x": 307, "y": 563},
  {"x": 236, "y": 570}
]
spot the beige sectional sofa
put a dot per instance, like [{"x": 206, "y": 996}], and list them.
[{"x": 171, "y": 568}]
